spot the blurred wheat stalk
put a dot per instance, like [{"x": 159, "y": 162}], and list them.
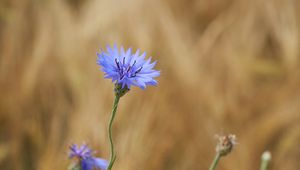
[{"x": 240, "y": 74}]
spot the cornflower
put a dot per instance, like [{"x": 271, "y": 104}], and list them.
[
  {"x": 126, "y": 70},
  {"x": 84, "y": 159}
]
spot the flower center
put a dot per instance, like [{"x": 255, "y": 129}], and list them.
[{"x": 128, "y": 71}]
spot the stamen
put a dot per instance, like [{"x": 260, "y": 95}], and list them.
[
  {"x": 128, "y": 69},
  {"x": 119, "y": 68},
  {"x": 117, "y": 64},
  {"x": 133, "y": 63},
  {"x": 139, "y": 70},
  {"x": 131, "y": 66},
  {"x": 123, "y": 61}
]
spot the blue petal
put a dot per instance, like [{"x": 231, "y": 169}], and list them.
[
  {"x": 152, "y": 82},
  {"x": 87, "y": 164},
  {"x": 100, "y": 163},
  {"x": 150, "y": 74}
]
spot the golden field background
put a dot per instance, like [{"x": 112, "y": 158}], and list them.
[{"x": 227, "y": 66}]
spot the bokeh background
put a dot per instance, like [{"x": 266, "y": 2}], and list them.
[{"x": 227, "y": 66}]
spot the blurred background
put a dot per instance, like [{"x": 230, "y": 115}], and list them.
[{"x": 227, "y": 66}]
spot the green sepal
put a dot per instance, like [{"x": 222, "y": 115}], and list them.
[{"x": 119, "y": 91}]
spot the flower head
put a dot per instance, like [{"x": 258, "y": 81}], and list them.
[
  {"x": 83, "y": 156},
  {"x": 127, "y": 69},
  {"x": 225, "y": 144}
]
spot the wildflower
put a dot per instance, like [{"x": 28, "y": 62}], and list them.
[
  {"x": 225, "y": 144},
  {"x": 127, "y": 69},
  {"x": 83, "y": 156}
]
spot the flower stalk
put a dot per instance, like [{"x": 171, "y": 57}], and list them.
[
  {"x": 113, "y": 114},
  {"x": 215, "y": 162},
  {"x": 119, "y": 92}
]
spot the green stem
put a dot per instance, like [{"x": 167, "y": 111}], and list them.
[
  {"x": 264, "y": 165},
  {"x": 112, "y": 150},
  {"x": 215, "y": 162},
  {"x": 265, "y": 159}
]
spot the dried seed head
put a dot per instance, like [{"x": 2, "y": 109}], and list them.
[{"x": 225, "y": 144}]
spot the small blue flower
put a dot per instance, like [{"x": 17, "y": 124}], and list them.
[
  {"x": 84, "y": 156},
  {"x": 127, "y": 69}
]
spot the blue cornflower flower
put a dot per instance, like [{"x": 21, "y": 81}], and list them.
[
  {"x": 85, "y": 159},
  {"x": 127, "y": 69}
]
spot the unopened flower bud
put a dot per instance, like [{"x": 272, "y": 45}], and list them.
[{"x": 266, "y": 156}]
